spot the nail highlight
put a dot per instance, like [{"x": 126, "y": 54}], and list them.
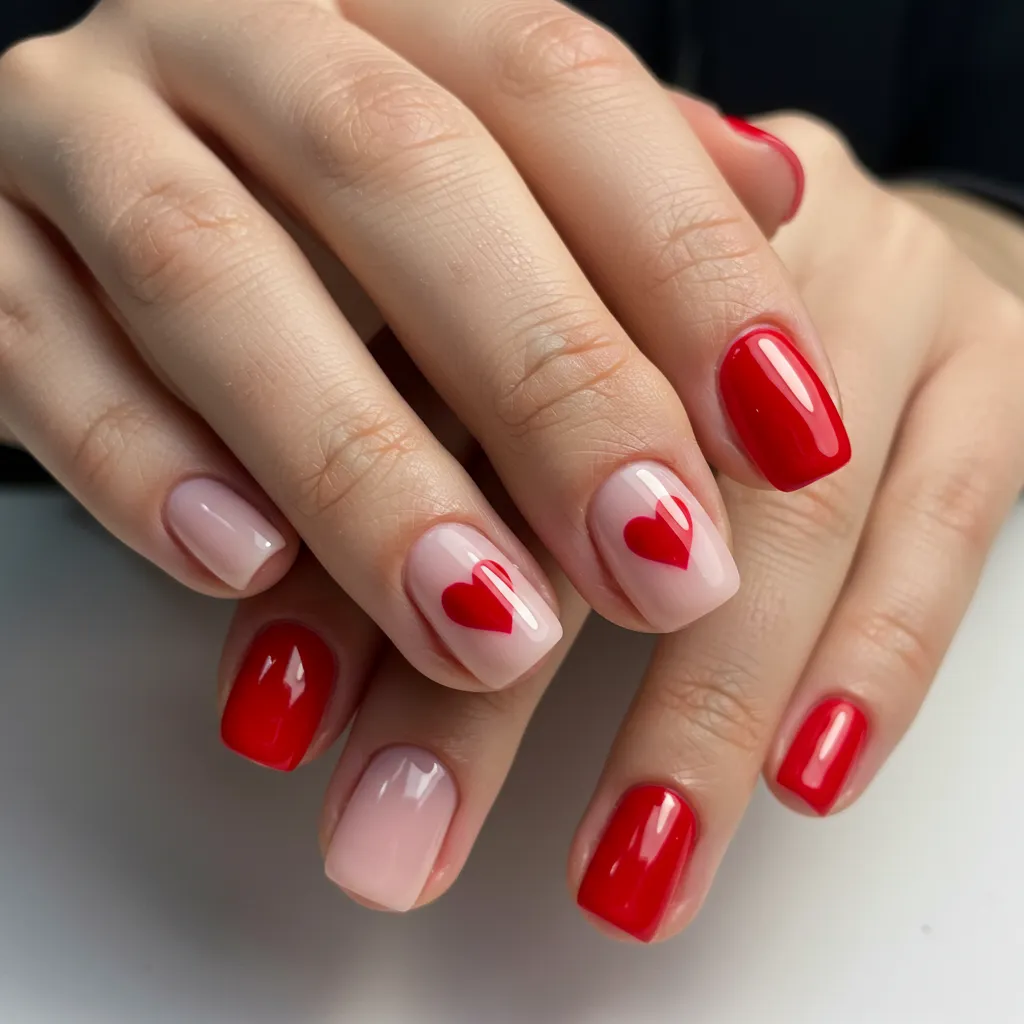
[
  {"x": 639, "y": 861},
  {"x": 279, "y": 696},
  {"x": 661, "y": 546},
  {"x": 391, "y": 831},
  {"x": 823, "y": 753},
  {"x": 780, "y": 410},
  {"x": 759, "y": 135},
  {"x": 480, "y": 604},
  {"x": 222, "y": 530}
]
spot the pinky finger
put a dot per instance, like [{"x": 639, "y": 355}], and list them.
[
  {"x": 956, "y": 471},
  {"x": 76, "y": 394}
]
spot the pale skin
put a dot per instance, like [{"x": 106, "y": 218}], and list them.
[{"x": 176, "y": 365}]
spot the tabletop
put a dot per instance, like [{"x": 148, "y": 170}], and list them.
[{"x": 147, "y": 875}]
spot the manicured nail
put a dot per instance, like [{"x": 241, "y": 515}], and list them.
[
  {"x": 661, "y": 546},
  {"x": 780, "y": 410},
  {"x": 759, "y": 135},
  {"x": 222, "y": 530},
  {"x": 390, "y": 832},
  {"x": 279, "y": 696},
  {"x": 824, "y": 752},
  {"x": 481, "y": 605},
  {"x": 636, "y": 868}
]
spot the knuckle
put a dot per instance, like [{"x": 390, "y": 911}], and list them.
[
  {"x": 116, "y": 434},
  {"x": 20, "y": 326},
  {"x": 897, "y": 634},
  {"x": 359, "y": 444},
  {"x": 176, "y": 238},
  {"x": 375, "y": 120},
  {"x": 536, "y": 50},
  {"x": 716, "y": 701},
  {"x": 32, "y": 67},
  {"x": 563, "y": 366}
]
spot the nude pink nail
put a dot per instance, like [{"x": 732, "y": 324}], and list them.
[
  {"x": 389, "y": 835},
  {"x": 480, "y": 604},
  {"x": 661, "y": 546},
  {"x": 221, "y": 530}
]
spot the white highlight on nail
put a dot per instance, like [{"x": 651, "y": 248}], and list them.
[{"x": 785, "y": 370}]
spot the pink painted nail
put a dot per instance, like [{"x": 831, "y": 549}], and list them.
[
  {"x": 390, "y": 833},
  {"x": 221, "y": 530},
  {"x": 661, "y": 546},
  {"x": 481, "y": 605}
]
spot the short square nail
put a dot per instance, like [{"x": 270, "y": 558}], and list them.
[
  {"x": 279, "y": 696},
  {"x": 221, "y": 530},
  {"x": 661, "y": 546},
  {"x": 823, "y": 753},
  {"x": 780, "y": 410},
  {"x": 390, "y": 833},
  {"x": 480, "y": 604},
  {"x": 639, "y": 861}
]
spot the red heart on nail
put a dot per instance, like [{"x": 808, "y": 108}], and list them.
[
  {"x": 480, "y": 604},
  {"x": 665, "y": 537}
]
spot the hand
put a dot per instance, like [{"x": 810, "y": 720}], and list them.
[
  {"x": 171, "y": 356},
  {"x": 852, "y": 591}
]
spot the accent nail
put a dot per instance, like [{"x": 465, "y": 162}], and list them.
[
  {"x": 824, "y": 752},
  {"x": 279, "y": 696},
  {"x": 759, "y": 135},
  {"x": 661, "y": 546},
  {"x": 780, "y": 410},
  {"x": 639, "y": 861},
  {"x": 480, "y": 604},
  {"x": 389, "y": 834},
  {"x": 221, "y": 530}
]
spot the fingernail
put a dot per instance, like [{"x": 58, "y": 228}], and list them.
[
  {"x": 661, "y": 546},
  {"x": 480, "y": 604},
  {"x": 390, "y": 832},
  {"x": 641, "y": 857},
  {"x": 780, "y": 410},
  {"x": 221, "y": 530},
  {"x": 824, "y": 752},
  {"x": 279, "y": 696},
  {"x": 756, "y": 134}
]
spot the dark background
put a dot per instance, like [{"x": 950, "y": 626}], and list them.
[{"x": 922, "y": 88}]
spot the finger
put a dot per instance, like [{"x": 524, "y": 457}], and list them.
[
  {"x": 78, "y": 397},
  {"x": 682, "y": 769},
  {"x": 419, "y": 774},
  {"x": 428, "y": 214},
  {"x": 641, "y": 204},
  {"x": 958, "y": 468},
  {"x": 225, "y": 306}
]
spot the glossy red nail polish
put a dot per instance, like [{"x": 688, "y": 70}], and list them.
[
  {"x": 780, "y": 410},
  {"x": 824, "y": 752},
  {"x": 279, "y": 696},
  {"x": 756, "y": 134},
  {"x": 637, "y": 865}
]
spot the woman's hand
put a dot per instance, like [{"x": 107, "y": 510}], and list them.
[
  {"x": 852, "y": 591},
  {"x": 548, "y": 238}
]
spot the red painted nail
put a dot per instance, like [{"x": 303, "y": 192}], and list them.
[
  {"x": 279, "y": 696},
  {"x": 760, "y": 135},
  {"x": 781, "y": 411},
  {"x": 637, "y": 865},
  {"x": 824, "y": 752}
]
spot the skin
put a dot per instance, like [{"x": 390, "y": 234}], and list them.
[{"x": 864, "y": 576}]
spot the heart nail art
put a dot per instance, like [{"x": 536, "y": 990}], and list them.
[
  {"x": 481, "y": 603},
  {"x": 666, "y": 537}
]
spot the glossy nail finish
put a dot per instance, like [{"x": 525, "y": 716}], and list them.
[
  {"x": 780, "y": 410},
  {"x": 480, "y": 604},
  {"x": 759, "y": 135},
  {"x": 824, "y": 752},
  {"x": 641, "y": 857},
  {"x": 661, "y": 546},
  {"x": 279, "y": 696},
  {"x": 221, "y": 530},
  {"x": 389, "y": 834}
]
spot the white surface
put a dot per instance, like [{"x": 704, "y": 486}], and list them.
[{"x": 148, "y": 876}]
